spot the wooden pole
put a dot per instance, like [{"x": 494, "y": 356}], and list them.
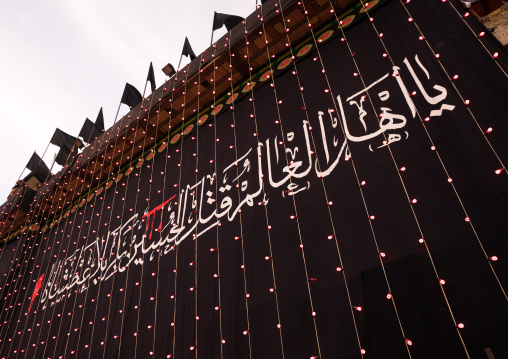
[{"x": 211, "y": 40}]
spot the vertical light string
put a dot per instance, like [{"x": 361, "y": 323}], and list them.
[
  {"x": 142, "y": 254},
  {"x": 23, "y": 257},
  {"x": 21, "y": 243},
  {"x": 9, "y": 303},
  {"x": 376, "y": 243},
  {"x": 241, "y": 237},
  {"x": 142, "y": 154},
  {"x": 103, "y": 343},
  {"x": 166, "y": 154},
  {"x": 296, "y": 217},
  {"x": 194, "y": 237},
  {"x": 82, "y": 229},
  {"x": 181, "y": 192},
  {"x": 450, "y": 79},
  {"x": 71, "y": 275},
  {"x": 61, "y": 284},
  {"x": 152, "y": 353},
  {"x": 477, "y": 36},
  {"x": 138, "y": 124},
  {"x": 434, "y": 148},
  {"x": 66, "y": 214},
  {"x": 90, "y": 231},
  {"x": 279, "y": 324},
  {"x": 398, "y": 172},
  {"x": 21, "y": 300},
  {"x": 216, "y": 180},
  {"x": 340, "y": 268},
  {"x": 156, "y": 297},
  {"x": 484, "y": 137},
  {"x": 28, "y": 260},
  {"x": 113, "y": 178}
]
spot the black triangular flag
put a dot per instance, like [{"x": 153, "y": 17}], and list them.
[
  {"x": 99, "y": 122},
  {"x": 131, "y": 96},
  {"x": 63, "y": 155},
  {"x": 36, "y": 162},
  {"x": 187, "y": 50},
  {"x": 151, "y": 77},
  {"x": 89, "y": 132},
  {"x": 230, "y": 21},
  {"x": 62, "y": 140}
]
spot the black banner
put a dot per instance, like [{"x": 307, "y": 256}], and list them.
[{"x": 354, "y": 212}]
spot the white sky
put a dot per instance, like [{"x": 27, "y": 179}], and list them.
[{"x": 61, "y": 60}]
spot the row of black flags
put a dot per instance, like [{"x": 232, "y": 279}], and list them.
[{"x": 131, "y": 97}]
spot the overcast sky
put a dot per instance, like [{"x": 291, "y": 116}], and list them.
[{"x": 61, "y": 60}]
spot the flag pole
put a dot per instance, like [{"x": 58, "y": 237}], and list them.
[
  {"x": 179, "y": 62},
  {"x": 144, "y": 90},
  {"x": 52, "y": 163},
  {"x": 117, "y": 112},
  {"x": 214, "y": 14}
]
